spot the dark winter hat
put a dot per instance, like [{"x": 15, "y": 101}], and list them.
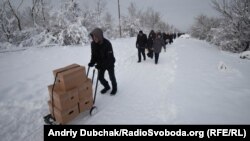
[
  {"x": 98, "y": 33},
  {"x": 140, "y": 32}
]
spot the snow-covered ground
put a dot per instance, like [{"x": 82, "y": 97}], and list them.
[{"x": 194, "y": 83}]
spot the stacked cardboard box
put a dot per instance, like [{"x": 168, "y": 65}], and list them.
[{"x": 72, "y": 93}]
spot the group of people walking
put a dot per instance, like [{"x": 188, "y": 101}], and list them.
[
  {"x": 102, "y": 56},
  {"x": 153, "y": 43}
]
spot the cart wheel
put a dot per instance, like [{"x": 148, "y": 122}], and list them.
[
  {"x": 93, "y": 110},
  {"x": 49, "y": 120}
]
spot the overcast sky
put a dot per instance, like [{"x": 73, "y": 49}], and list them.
[{"x": 180, "y": 13}]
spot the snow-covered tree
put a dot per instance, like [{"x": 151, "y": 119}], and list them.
[
  {"x": 235, "y": 25},
  {"x": 9, "y": 20},
  {"x": 142, "y": 20},
  {"x": 151, "y": 19},
  {"x": 131, "y": 24},
  {"x": 38, "y": 12},
  {"x": 6, "y": 21},
  {"x": 67, "y": 26},
  {"x": 202, "y": 27},
  {"x": 64, "y": 26},
  {"x": 12, "y": 21},
  {"x": 108, "y": 28},
  {"x": 14, "y": 12},
  {"x": 232, "y": 31},
  {"x": 88, "y": 17},
  {"x": 99, "y": 11}
]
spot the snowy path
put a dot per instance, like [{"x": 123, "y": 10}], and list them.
[
  {"x": 205, "y": 94},
  {"x": 186, "y": 87}
]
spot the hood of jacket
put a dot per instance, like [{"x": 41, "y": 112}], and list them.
[{"x": 98, "y": 33}]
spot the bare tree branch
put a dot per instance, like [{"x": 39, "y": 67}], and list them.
[
  {"x": 222, "y": 8},
  {"x": 42, "y": 2},
  {"x": 15, "y": 14},
  {"x": 34, "y": 2},
  {"x": 19, "y": 5}
]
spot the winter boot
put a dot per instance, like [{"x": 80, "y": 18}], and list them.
[
  {"x": 103, "y": 91},
  {"x": 113, "y": 92}
]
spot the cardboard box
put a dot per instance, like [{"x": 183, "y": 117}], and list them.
[
  {"x": 71, "y": 78},
  {"x": 64, "y": 116},
  {"x": 85, "y": 104},
  {"x": 85, "y": 90},
  {"x": 65, "y": 68},
  {"x": 63, "y": 100}
]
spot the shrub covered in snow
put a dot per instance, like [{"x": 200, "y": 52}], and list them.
[
  {"x": 232, "y": 31},
  {"x": 28, "y": 37},
  {"x": 185, "y": 36},
  {"x": 72, "y": 35},
  {"x": 5, "y": 45},
  {"x": 245, "y": 55}
]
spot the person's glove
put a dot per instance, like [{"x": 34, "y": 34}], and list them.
[{"x": 91, "y": 64}]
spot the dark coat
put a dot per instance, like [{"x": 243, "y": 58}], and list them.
[
  {"x": 141, "y": 41},
  {"x": 102, "y": 53},
  {"x": 158, "y": 44},
  {"x": 151, "y": 38},
  {"x": 165, "y": 37}
]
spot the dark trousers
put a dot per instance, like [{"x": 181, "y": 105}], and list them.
[
  {"x": 150, "y": 53},
  {"x": 156, "y": 57},
  {"x": 112, "y": 78},
  {"x": 141, "y": 51}
]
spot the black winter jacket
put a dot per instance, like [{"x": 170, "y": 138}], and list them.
[
  {"x": 102, "y": 54},
  {"x": 141, "y": 41}
]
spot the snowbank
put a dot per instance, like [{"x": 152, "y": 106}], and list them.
[
  {"x": 185, "y": 36},
  {"x": 245, "y": 55}
]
